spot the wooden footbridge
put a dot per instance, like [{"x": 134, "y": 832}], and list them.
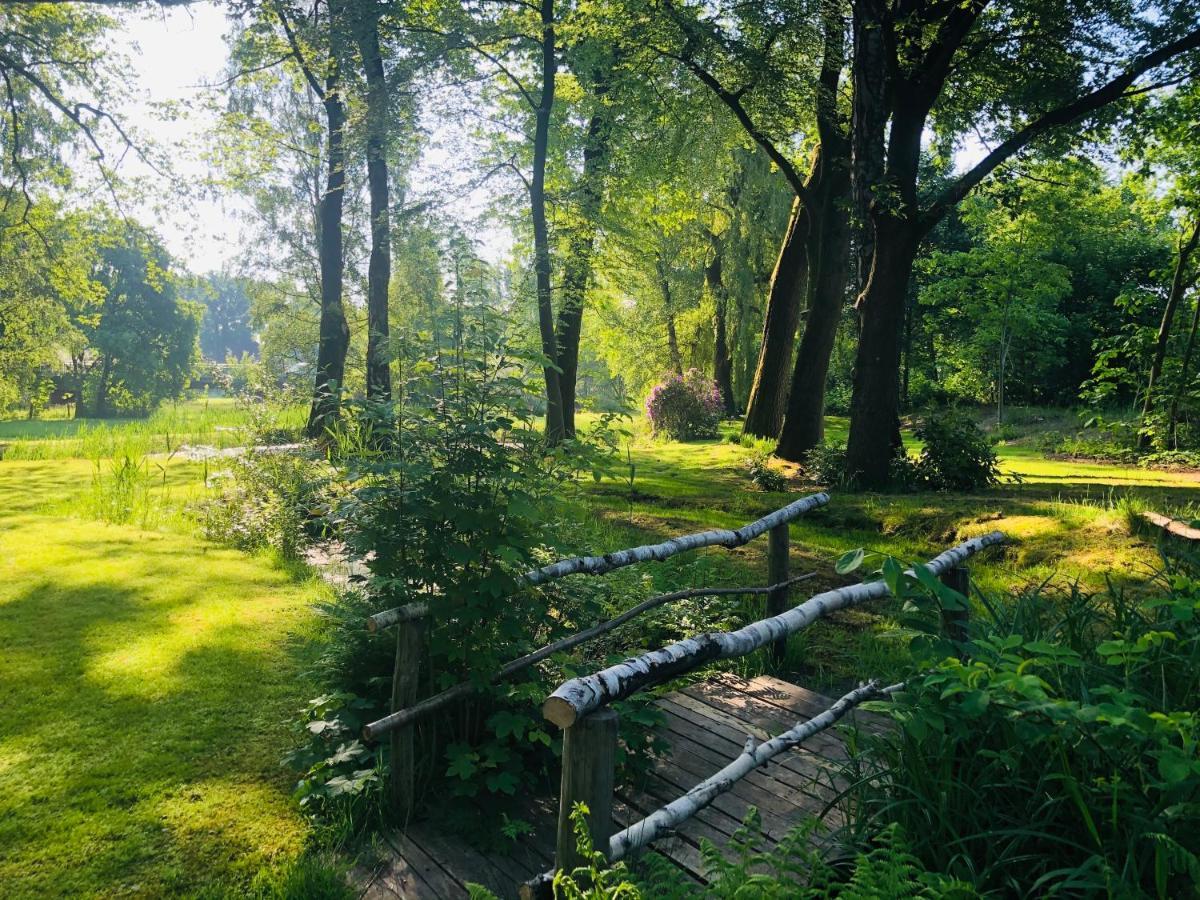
[{"x": 734, "y": 744}]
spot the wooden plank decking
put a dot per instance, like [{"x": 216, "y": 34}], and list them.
[{"x": 706, "y": 726}]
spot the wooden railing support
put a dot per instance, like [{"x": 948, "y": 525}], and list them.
[
  {"x": 778, "y": 547},
  {"x": 588, "y": 773},
  {"x": 406, "y": 673},
  {"x": 955, "y": 621}
]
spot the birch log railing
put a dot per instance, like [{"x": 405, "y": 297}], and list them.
[
  {"x": 580, "y": 707},
  {"x": 409, "y": 621}
]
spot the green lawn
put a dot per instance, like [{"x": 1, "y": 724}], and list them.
[{"x": 148, "y": 679}]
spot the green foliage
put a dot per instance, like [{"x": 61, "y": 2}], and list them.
[
  {"x": 1060, "y": 756},
  {"x": 956, "y": 455},
  {"x": 272, "y": 499},
  {"x": 764, "y": 475},
  {"x": 826, "y": 463}
]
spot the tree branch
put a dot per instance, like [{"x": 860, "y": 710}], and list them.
[{"x": 1108, "y": 93}]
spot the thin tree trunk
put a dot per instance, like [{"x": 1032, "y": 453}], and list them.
[
  {"x": 669, "y": 310},
  {"x": 768, "y": 390},
  {"x": 100, "y": 403},
  {"x": 722, "y": 361},
  {"x": 555, "y": 429},
  {"x": 577, "y": 272},
  {"x": 1178, "y": 284},
  {"x": 334, "y": 332},
  {"x": 1184, "y": 374},
  {"x": 379, "y": 270}
]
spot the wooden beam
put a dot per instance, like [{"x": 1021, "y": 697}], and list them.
[
  {"x": 778, "y": 548},
  {"x": 589, "y": 763},
  {"x": 580, "y": 696}
]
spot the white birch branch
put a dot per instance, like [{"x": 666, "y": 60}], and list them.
[
  {"x": 579, "y": 696},
  {"x": 402, "y": 717},
  {"x": 1173, "y": 526},
  {"x": 397, "y": 614},
  {"x": 659, "y": 823},
  {"x": 598, "y": 565}
]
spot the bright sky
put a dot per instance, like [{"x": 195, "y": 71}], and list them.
[{"x": 173, "y": 52}]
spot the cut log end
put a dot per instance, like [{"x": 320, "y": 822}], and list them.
[
  {"x": 559, "y": 711},
  {"x": 372, "y": 625}
]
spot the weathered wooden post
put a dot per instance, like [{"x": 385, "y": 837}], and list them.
[
  {"x": 955, "y": 621},
  {"x": 405, "y": 675},
  {"x": 588, "y": 772},
  {"x": 778, "y": 547}
]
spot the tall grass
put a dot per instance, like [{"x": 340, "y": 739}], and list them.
[{"x": 219, "y": 423}]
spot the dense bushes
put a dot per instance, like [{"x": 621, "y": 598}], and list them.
[
  {"x": 685, "y": 407},
  {"x": 1059, "y": 756},
  {"x": 955, "y": 456}
]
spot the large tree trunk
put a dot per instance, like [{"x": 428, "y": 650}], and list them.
[
  {"x": 334, "y": 333},
  {"x": 870, "y": 112},
  {"x": 874, "y": 407},
  {"x": 1185, "y": 371},
  {"x": 577, "y": 272},
  {"x": 768, "y": 390},
  {"x": 555, "y": 429},
  {"x": 829, "y": 255},
  {"x": 722, "y": 360},
  {"x": 379, "y": 270},
  {"x": 828, "y": 259},
  {"x": 1178, "y": 286}
]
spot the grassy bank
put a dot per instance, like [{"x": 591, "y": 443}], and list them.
[{"x": 149, "y": 679}]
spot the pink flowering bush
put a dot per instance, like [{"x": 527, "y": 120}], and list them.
[{"x": 685, "y": 407}]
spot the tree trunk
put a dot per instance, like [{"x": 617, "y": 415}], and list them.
[
  {"x": 669, "y": 310},
  {"x": 100, "y": 402},
  {"x": 722, "y": 361},
  {"x": 1178, "y": 284},
  {"x": 768, "y": 390},
  {"x": 334, "y": 333},
  {"x": 577, "y": 272},
  {"x": 555, "y": 429},
  {"x": 828, "y": 260},
  {"x": 1184, "y": 374},
  {"x": 870, "y": 112},
  {"x": 829, "y": 255},
  {"x": 379, "y": 270},
  {"x": 874, "y": 407}
]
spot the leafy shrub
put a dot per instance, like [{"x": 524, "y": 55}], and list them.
[
  {"x": 765, "y": 476},
  {"x": 826, "y": 464},
  {"x": 1060, "y": 756},
  {"x": 685, "y": 407},
  {"x": 1171, "y": 459},
  {"x": 957, "y": 455},
  {"x": 273, "y": 499}
]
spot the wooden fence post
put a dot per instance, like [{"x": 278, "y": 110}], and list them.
[
  {"x": 955, "y": 621},
  {"x": 588, "y": 772},
  {"x": 405, "y": 676},
  {"x": 778, "y": 547}
]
